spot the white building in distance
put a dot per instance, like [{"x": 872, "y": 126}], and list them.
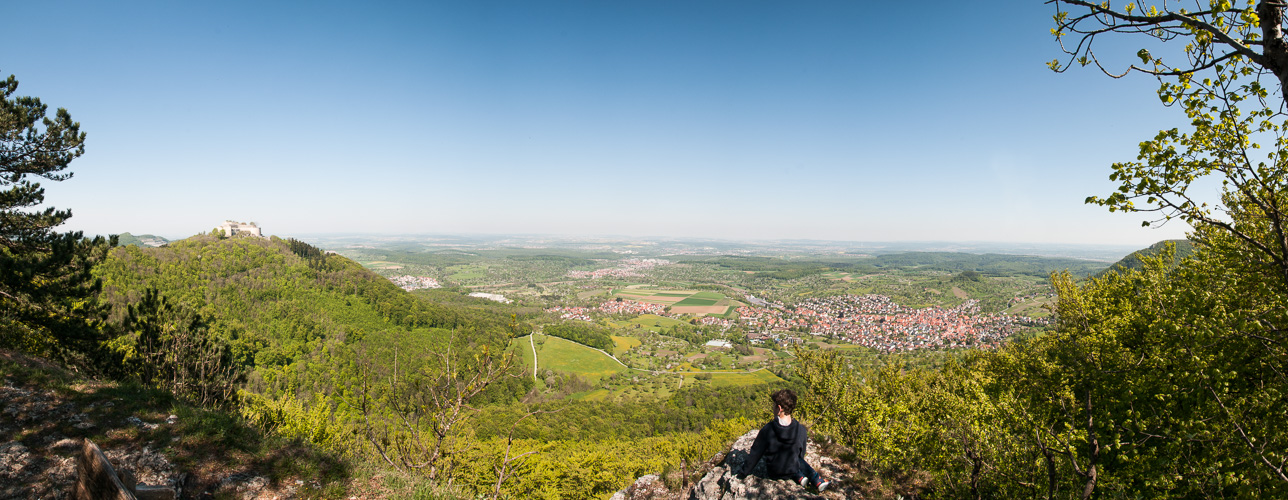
[
  {"x": 719, "y": 344},
  {"x": 491, "y": 296},
  {"x": 231, "y": 228}
]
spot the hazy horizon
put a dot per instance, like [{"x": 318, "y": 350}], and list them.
[
  {"x": 727, "y": 120},
  {"x": 1091, "y": 251},
  {"x": 647, "y": 237}
]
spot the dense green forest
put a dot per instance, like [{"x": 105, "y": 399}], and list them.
[
  {"x": 328, "y": 352},
  {"x": 274, "y": 300},
  {"x": 1181, "y": 250},
  {"x": 782, "y": 269},
  {"x": 416, "y": 254},
  {"x": 986, "y": 264}
]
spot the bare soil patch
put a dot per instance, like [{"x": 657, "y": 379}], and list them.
[
  {"x": 592, "y": 293},
  {"x": 959, "y": 293},
  {"x": 661, "y": 300},
  {"x": 699, "y": 309}
]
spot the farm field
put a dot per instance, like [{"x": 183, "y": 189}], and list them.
[
  {"x": 643, "y": 387},
  {"x": 382, "y": 265},
  {"x": 635, "y": 386},
  {"x": 595, "y": 395},
  {"x": 651, "y": 322},
  {"x": 733, "y": 379},
  {"x": 591, "y": 293},
  {"x": 617, "y": 383},
  {"x": 466, "y": 272},
  {"x": 729, "y": 379},
  {"x": 622, "y": 344},
  {"x": 697, "y": 303},
  {"x": 570, "y": 357},
  {"x": 1034, "y": 308}
]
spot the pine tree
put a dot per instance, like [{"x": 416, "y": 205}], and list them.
[{"x": 47, "y": 301}]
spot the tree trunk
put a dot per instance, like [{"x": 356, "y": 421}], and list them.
[{"x": 1275, "y": 49}]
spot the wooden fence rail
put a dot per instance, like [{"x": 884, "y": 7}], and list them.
[{"x": 97, "y": 480}]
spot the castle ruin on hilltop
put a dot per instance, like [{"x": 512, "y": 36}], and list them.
[{"x": 232, "y": 228}]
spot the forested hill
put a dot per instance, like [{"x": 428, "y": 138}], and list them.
[
  {"x": 954, "y": 262},
  {"x": 272, "y": 299},
  {"x": 140, "y": 240},
  {"x": 987, "y": 264},
  {"x": 1183, "y": 249}
]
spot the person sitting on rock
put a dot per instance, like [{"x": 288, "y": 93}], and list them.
[{"x": 782, "y": 443}]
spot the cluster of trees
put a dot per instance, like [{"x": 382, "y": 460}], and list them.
[
  {"x": 986, "y": 264},
  {"x": 273, "y": 300},
  {"x": 691, "y": 409},
  {"x": 782, "y": 269},
  {"x": 313, "y": 255},
  {"x": 693, "y": 334},
  {"x": 380, "y": 403},
  {"x": 383, "y": 400},
  {"x": 1180, "y": 248},
  {"x": 574, "y": 469},
  {"x": 171, "y": 347},
  {"x": 594, "y": 336},
  {"x": 46, "y": 289},
  {"x": 1160, "y": 382},
  {"x": 1163, "y": 381}
]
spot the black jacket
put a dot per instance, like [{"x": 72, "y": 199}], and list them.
[{"x": 782, "y": 446}]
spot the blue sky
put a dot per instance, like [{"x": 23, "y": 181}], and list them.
[{"x": 866, "y": 121}]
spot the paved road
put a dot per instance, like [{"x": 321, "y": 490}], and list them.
[{"x": 534, "y": 356}]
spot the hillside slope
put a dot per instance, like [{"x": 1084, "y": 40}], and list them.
[
  {"x": 140, "y": 240},
  {"x": 273, "y": 300},
  {"x": 1184, "y": 248}
]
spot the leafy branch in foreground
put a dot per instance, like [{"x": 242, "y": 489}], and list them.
[
  {"x": 1218, "y": 34},
  {"x": 1231, "y": 116},
  {"x": 412, "y": 417}
]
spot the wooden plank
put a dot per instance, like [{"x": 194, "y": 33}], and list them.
[{"x": 95, "y": 477}]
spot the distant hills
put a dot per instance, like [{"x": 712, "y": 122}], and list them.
[
  {"x": 1184, "y": 248},
  {"x": 986, "y": 264},
  {"x": 142, "y": 240}
]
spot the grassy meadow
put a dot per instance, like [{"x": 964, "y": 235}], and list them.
[
  {"x": 566, "y": 356},
  {"x": 623, "y": 344}
]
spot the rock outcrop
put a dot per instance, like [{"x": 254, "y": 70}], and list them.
[
  {"x": 721, "y": 481},
  {"x": 42, "y": 431}
]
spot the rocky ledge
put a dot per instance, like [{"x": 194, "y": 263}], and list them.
[{"x": 721, "y": 481}]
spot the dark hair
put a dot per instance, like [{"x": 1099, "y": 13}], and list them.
[{"x": 786, "y": 399}]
